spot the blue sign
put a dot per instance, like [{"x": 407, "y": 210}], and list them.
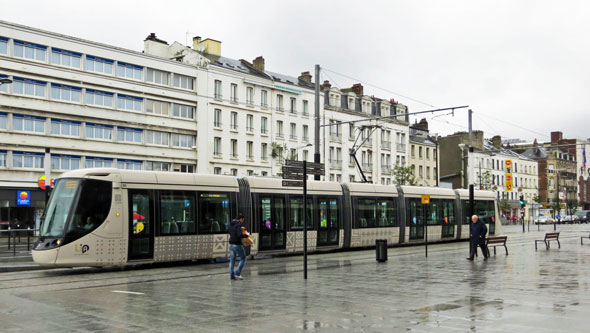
[{"x": 23, "y": 198}]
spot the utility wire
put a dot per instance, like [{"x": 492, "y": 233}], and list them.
[
  {"x": 326, "y": 74},
  {"x": 374, "y": 86},
  {"x": 512, "y": 124}
]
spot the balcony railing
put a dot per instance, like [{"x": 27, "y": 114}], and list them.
[
  {"x": 337, "y": 137},
  {"x": 386, "y": 145},
  {"x": 293, "y": 137},
  {"x": 368, "y": 143},
  {"x": 386, "y": 169},
  {"x": 368, "y": 167},
  {"x": 217, "y": 124},
  {"x": 293, "y": 111},
  {"x": 250, "y": 129},
  {"x": 280, "y": 136},
  {"x": 233, "y": 155},
  {"x": 306, "y": 138},
  {"x": 264, "y": 131},
  {"x": 280, "y": 109},
  {"x": 234, "y": 127},
  {"x": 250, "y": 157},
  {"x": 401, "y": 147},
  {"x": 234, "y": 99},
  {"x": 218, "y": 97}
]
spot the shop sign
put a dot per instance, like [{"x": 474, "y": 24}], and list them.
[
  {"x": 23, "y": 198},
  {"x": 41, "y": 182}
]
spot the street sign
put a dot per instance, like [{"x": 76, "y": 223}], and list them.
[
  {"x": 293, "y": 183},
  {"x": 425, "y": 199},
  {"x": 294, "y": 168}
]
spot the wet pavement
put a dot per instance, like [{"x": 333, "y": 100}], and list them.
[{"x": 526, "y": 291}]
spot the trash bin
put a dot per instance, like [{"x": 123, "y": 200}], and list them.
[{"x": 381, "y": 250}]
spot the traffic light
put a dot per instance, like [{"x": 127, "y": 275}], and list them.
[{"x": 522, "y": 203}]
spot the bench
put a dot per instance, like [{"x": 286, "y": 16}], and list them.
[
  {"x": 582, "y": 239},
  {"x": 497, "y": 241},
  {"x": 549, "y": 237}
]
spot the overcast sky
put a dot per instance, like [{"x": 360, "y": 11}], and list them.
[{"x": 522, "y": 66}]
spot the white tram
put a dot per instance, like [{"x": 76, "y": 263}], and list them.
[{"x": 112, "y": 217}]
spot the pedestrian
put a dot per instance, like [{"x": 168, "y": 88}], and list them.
[
  {"x": 477, "y": 236},
  {"x": 236, "y": 247}
]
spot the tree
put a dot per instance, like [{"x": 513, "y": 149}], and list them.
[
  {"x": 503, "y": 205},
  {"x": 404, "y": 175},
  {"x": 279, "y": 151},
  {"x": 536, "y": 198},
  {"x": 485, "y": 181},
  {"x": 572, "y": 205}
]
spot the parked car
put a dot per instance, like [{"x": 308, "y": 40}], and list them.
[
  {"x": 583, "y": 216},
  {"x": 544, "y": 220},
  {"x": 570, "y": 219}
]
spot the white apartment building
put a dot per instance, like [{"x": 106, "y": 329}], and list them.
[
  {"x": 423, "y": 156},
  {"x": 380, "y": 144},
  {"x": 88, "y": 105}
]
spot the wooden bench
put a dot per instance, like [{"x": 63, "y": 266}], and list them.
[
  {"x": 582, "y": 239},
  {"x": 549, "y": 237},
  {"x": 497, "y": 241}
]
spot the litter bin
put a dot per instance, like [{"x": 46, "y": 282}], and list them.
[{"x": 381, "y": 250}]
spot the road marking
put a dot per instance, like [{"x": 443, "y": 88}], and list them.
[{"x": 127, "y": 292}]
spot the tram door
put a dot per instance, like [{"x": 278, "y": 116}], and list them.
[
  {"x": 273, "y": 230},
  {"x": 415, "y": 218},
  {"x": 329, "y": 228},
  {"x": 141, "y": 224}
]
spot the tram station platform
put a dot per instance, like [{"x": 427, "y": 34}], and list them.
[{"x": 526, "y": 291}]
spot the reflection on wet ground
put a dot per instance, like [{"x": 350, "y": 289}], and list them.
[{"x": 526, "y": 291}]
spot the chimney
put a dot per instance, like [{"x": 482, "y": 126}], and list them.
[
  {"x": 326, "y": 85},
  {"x": 497, "y": 141},
  {"x": 258, "y": 64},
  {"x": 357, "y": 88},
  {"x": 423, "y": 124},
  {"x": 556, "y": 137},
  {"x": 305, "y": 77},
  {"x": 152, "y": 45},
  {"x": 196, "y": 43},
  {"x": 392, "y": 101}
]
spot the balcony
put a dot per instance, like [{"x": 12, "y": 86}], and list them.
[
  {"x": 280, "y": 109},
  {"x": 386, "y": 145},
  {"x": 306, "y": 138},
  {"x": 280, "y": 136},
  {"x": 218, "y": 97},
  {"x": 293, "y": 112},
  {"x": 249, "y": 102},
  {"x": 264, "y": 131},
  {"x": 233, "y": 127},
  {"x": 233, "y": 100},
  {"x": 401, "y": 147},
  {"x": 368, "y": 143},
  {"x": 217, "y": 124},
  {"x": 368, "y": 167},
  {"x": 250, "y": 157},
  {"x": 293, "y": 137},
  {"x": 386, "y": 169},
  {"x": 305, "y": 113},
  {"x": 250, "y": 129},
  {"x": 335, "y": 164},
  {"x": 233, "y": 156},
  {"x": 217, "y": 154}
]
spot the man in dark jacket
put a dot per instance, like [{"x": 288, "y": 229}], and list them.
[
  {"x": 236, "y": 247},
  {"x": 477, "y": 236}
]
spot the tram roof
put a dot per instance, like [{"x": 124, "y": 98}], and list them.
[
  {"x": 464, "y": 194},
  {"x": 371, "y": 189},
  {"x": 418, "y": 191},
  {"x": 275, "y": 185}
]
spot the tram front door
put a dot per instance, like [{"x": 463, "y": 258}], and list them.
[{"x": 271, "y": 216}]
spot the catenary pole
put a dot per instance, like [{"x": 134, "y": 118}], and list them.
[{"x": 316, "y": 155}]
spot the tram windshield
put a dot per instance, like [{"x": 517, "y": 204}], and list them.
[{"x": 76, "y": 207}]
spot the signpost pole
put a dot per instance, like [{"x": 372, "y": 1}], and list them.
[
  {"x": 426, "y": 229},
  {"x": 305, "y": 220}
]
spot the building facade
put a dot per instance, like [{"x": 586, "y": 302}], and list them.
[{"x": 423, "y": 155}]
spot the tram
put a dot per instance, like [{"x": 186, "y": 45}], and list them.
[{"x": 112, "y": 217}]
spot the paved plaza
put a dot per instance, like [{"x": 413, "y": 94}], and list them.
[{"x": 526, "y": 291}]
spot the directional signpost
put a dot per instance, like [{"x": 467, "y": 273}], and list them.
[{"x": 295, "y": 175}]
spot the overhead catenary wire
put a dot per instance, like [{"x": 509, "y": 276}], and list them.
[
  {"x": 380, "y": 88},
  {"x": 512, "y": 124}
]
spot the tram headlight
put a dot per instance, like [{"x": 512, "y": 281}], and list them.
[{"x": 58, "y": 241}]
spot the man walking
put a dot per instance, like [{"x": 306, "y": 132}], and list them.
[
  {"x": 477, "y": 236},
  {"x": 236, "y": 247}
]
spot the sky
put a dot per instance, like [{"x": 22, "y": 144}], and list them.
[{"x": 521, "y": 66}]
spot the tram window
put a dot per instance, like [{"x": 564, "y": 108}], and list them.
[
  {"x": 93, "y": 207},
  {"x": 386, "y": 212},
  {"x": 366, "y": 212},
  {"x": 214, "y": 213},
  {"x": 416, "y": 212},
  {"x": 485, "y": 210},
  {"x": 376, "y": 213},
  {"x": 467, "y": 217},
  {"x": 177, "y": 211},
  {"x": 328, "y": 213},
  {"x": 433, "y": 212},
  {"x": 448, "y": 212},
  {"x": 296, "y": 210}
]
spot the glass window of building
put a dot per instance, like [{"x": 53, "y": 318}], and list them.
[
  {"x": 214, "y": 212},
  {"x": 280, "y": 103},
  {"x": 233, "y": 92},
  {"x": 234, "y": 172},
  {"x": 305, "y": 132},
  {"x": 305, "y": 108},
  {"x": 263, "y": 98},
  {"x": 249, "y": 123},
  {"x": 279, "y": 128},
  {"x": 184, "y": 82},
  {"x": 132, "y": 103},
  {"x": 156, "y": 107},
  {"x": 129, "y": 164},
  {"x": 250, "y": 150},
  {"x": 3, "y": 154},
  {"x": 29, "y": 50},
  {"x": 98, "y": 131},
  {"x": 23, "y": 159},
  {"x": 28, "y": 123},
  {"x": 249, "y": 95},
  {"x": 177, "y": 212},
  {"x": 217, "y": 146},
  {"x": 156, "y": 138},
  {"x": 183, "y": 140},
  {"x": 65, "y": 162},
  {"x": 65, "y": 127},
  {"x": 233, "y": 120},
  {"x": 129, "y": 71},
  {"x": 263, "y": 125},
  {"x": 188, "y": 168},
  {"x": 217, "y": 171},
  {"x": 293, "y": 134},
  {"x": 125, "y": 134},
  {"x": 60, "y": 92},
  {"x": 157, "y": 166},
  {"x": 234, "y": 148},
  {"x": 263, "y": 151},
  {"x": 98, "y": 162},
  {"x": 183, "y": 111},
  {"x": 3, "y": 45},
  {"x": 157, "y": 76},
  {"x": 218, "y": 91},
  {"x": 217, "y": 118},
  {"x": 28, "y": 87},
  {"x": 293, "y": 107},
  {"x": 99, "y": 65},
  {"x": 3, "y": 120},
  {"x": 65, "y": 58},
  {"x": 99, "y": 98},
  {"x": 3, "y": 87}
]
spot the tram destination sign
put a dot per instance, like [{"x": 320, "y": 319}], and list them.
[
  {"x": 293, "y": 183},
  {"x": 297, "y": 168}
]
